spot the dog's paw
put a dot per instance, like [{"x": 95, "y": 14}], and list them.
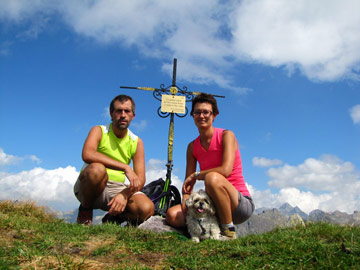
[
  {"x": 215, "y": 236},
  {"x": 195, "y": 239}
]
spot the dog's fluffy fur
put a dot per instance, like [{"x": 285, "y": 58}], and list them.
[{"x": 201, "y": 220}]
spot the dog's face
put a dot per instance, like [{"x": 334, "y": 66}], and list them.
[{"x": 200, "y": 205}]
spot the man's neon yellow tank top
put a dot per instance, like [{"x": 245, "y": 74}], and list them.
[{"x": 120, "y": 149}]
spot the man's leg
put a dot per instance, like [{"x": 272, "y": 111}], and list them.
[
  {"x": 139, "y": 208},
  {"x": 92, "y": 182}
]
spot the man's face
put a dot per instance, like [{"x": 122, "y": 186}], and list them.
[{"x": 122, "y": 115}]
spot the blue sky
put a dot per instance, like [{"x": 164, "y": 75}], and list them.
[{"x": 289, "y": 70}]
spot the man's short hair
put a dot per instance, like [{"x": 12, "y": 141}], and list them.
[{"x": 122, "y": 99}]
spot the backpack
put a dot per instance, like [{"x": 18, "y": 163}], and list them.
[{"x": 155, "y": 191}]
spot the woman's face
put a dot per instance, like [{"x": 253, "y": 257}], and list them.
[{"x": 203, "y": 115}]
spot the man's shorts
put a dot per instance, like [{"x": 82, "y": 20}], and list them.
[
  {"x": 111, "y": 189},
  {"x": 244, "y": 209}
]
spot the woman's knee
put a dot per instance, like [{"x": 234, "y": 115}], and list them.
[
  {"x": 175, "y": 216},
  {"x": 212, "y": 180},
  {"x": 170, "y": 215}
]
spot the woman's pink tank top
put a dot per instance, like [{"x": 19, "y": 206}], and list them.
[{"x": 213, "y": 158}]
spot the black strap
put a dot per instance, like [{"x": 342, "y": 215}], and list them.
[{"x": 203, "y": 231}]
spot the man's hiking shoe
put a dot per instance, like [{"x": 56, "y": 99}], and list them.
[
  {"x": 118, "y": 219},
  {"x": 229, "y": 233},
  {"x": 85, "y": 216}
]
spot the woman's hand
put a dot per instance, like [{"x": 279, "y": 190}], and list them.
[
  {"x": 189, "y": 184},
  {"x": 183, "y": 204}
]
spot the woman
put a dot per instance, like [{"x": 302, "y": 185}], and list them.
[{"x": 217, "y": 152}]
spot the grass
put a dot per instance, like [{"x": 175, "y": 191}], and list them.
[{"x": 31, "y": 238}]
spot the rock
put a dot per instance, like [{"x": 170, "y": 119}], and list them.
[
  {"x": 356, "y": 217},
  {"x": 262, "y": 222},
  {"x": 157, "y": 224},
  {"x": 295, "y": 220}
]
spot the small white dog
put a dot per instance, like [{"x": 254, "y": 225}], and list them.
[{"x": 201, "y": 220}]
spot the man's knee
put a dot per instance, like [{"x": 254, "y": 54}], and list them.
[
  {"x": 147, "y": 208},
  {"x": 94, "y": 172},
  {"x": 141, "y": 207}
]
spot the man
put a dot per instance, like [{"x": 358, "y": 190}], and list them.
[{"x": 107, "y": 153}]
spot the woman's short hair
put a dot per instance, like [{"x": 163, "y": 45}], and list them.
[{"x": 205, "y": 98}]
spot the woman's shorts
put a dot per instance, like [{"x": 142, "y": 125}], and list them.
[{"x": 244, "y": 209}]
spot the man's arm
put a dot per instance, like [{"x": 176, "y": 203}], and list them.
[
  {"x": 91, "y": 155},
  {"x": 119, "y": 202},
  {"x": 137, "y": 176}
]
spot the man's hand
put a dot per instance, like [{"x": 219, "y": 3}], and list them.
[
  {"x": 133, "y": 179},
  {"x": 118, "y": 204}
]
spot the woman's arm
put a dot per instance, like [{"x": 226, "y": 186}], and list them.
[{"x": 190, "y": 169}]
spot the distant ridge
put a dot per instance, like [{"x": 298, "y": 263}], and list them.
[{"x": 265, "y": 219}]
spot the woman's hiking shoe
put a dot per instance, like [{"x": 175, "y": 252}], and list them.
[
  {"x": 230, "y": 233},
  {"x": 85, "y": 216}
]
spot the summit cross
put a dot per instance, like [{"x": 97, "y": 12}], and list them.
[{"x": 173, "y": 101}]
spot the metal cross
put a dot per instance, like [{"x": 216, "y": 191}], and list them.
[{"x": 158, "y": 93}]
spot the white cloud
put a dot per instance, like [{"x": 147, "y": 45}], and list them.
[
  {"x": 20, "y": 10},
  {"x": 7, "y": 160},
  {"x": 106, "y": 114},
  {"x": 139, "y": 126},
  {"x": 355, "y": 114},
  {"x": 210, "y": 37},
  {"x": 54, "y": 188},
  {"x": 5, "y": 48},
  {"x": 321, "y": 38},
  {"x": 265, "y": 162},
  {"x": 308, "y": 201},
  {"x": 49, "y": 187},
  {"x": 325, "y": 174},
  {"x": 327, "y": 183},
  {"x": 34, "y": 159},
  {"x": 156, "y": 169}
]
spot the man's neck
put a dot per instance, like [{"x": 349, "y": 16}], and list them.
[{"x": 120, "y": 133}]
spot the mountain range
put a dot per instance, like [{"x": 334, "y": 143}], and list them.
[{"x": 262, "y": 216}]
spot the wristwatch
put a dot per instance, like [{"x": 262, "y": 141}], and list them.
[{"x": 197, "y": 173}]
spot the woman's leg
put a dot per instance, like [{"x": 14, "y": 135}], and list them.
[
  {"x": 175, "y": 216},
  {"x": 223, "y": 194}
]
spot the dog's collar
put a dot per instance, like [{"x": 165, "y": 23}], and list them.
[{"x": 203, "y": 231}]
